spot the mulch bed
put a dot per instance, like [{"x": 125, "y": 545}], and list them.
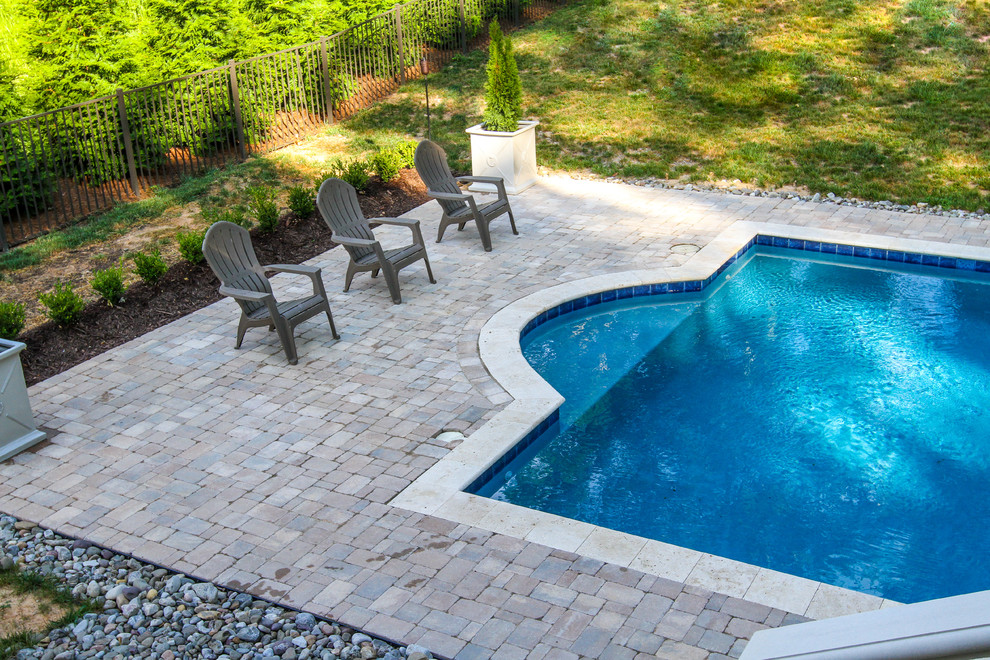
[{"x": 52, "y": 349}]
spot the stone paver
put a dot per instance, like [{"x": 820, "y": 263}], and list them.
[{"x": 238, "y": 468}]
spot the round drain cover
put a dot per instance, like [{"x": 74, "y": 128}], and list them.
[{"x": 684, "y": 248}]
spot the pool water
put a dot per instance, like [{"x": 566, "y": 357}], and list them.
[{"x": 826, "y": 418}]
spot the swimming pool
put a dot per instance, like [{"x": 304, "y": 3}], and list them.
[{"x": 864, "y": 473}]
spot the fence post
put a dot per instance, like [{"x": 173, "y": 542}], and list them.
[
  {"x": 327, "y": 96},
  {"x": 128, "y": 146},
  {"x": 235, "y": 102},
  {"x": 398, "y": 32},
  {"x": 463, "y": 29}
]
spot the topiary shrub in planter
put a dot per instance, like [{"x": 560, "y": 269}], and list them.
[{"x": 503, "y": 145}]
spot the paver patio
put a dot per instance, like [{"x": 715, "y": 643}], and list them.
[{"x": 235, "y": 467}]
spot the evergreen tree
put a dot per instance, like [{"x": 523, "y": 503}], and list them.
[
  {"x": 503, "y": 91},
  {"x": 68, "y": 40},
  {"x": 11, "y": 106},
  {"x": 191, "y": 35}
]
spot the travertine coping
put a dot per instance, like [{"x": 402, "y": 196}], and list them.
[{"x": 439, "y": 491}]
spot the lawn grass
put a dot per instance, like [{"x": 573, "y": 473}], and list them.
[
  {"x": 48, "y": 593},
  {"x": 207, "y": 189},
  {"x": 877, "y": 100}
]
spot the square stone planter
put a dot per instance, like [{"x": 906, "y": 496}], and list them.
[
  {"x": 17, "y": 430},
  {"x": 511, "y": 156}
]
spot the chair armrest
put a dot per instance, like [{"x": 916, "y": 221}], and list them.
[
  {"x": 455, "y": 197},
  {"x": 399, "y": 222},
  {"x": 413, "y": 226},
  {"x": 353, "y": 242},
  {"x": 312, "y": 272},
  {"x": 244, "y": 294},
  {"x": 298, "y": 269},
  {"x": 498, "y": 181}
]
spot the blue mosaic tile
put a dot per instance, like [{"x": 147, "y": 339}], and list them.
[
  {"x": 513, "y": 453},
  {"x": 662, "y": 288},
  {"x": 966, "y": 264},
  {"x": 947, "y": 262}
]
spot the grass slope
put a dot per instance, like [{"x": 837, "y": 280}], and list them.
[{"x": 878, "y": 99}]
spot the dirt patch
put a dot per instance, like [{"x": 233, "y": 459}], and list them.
[
  {"x": 185, "y": 288},
  {"x": 26, "y": 612}
]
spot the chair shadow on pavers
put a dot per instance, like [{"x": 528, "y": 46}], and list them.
[
  {"x": 227, "y": 248},
  {"x": 460, "y": 207},
  {"x": 338, "y": 204}
]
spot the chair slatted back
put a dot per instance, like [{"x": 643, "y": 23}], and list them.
[
  {"x": 227, "y": 248},
  {"x": 431, "y": 164},
  {"x": 338, "y": 204}
]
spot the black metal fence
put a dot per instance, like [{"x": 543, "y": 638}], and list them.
[{"x": 62, "y": 165}]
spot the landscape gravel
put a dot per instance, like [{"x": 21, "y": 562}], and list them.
[
  {"x": 146, "y": 611},
  {"x": 736, "y": 187}
]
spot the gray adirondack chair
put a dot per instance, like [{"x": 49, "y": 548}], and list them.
[
  {"x": 227, "y": 248},
  {"x": 338, "y": 204},
  {"x": 459, "y": 207}
]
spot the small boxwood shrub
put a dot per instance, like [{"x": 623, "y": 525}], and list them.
[
  {"x": 191, "y": 245},
  {"x": 302, "y": 202},
  {"x": 150, "y": 267},
  {"x": 386, "y": 163},
  {"x": 11, "y": 319},
  {"x": 407, "y": 152},
  {"x": 235, "y": 215},
  {"x": 354, "y": 172},
  {"x": 109, "y": 283},
  {"x": 264, "y": 208},
  {"x": 62, "y": 304}
]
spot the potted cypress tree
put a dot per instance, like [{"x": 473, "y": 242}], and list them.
[{"x": 503, "y": 145}]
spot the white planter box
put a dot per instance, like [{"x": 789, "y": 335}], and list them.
[
  {"x": 17, "y": 430},
  {"x": 511, "y": 156}
]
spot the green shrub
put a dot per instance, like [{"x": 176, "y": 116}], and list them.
[
  {"x": 407, "y": 152},
  {"x": 503, "y": 91},
  {"x": 62, "y": 303},
  {"x": 235, "y": 215},
  {"x": 302, "y": 202},
  {"x": 191, "y": 245},
  {"x": 263, "y": 206},
  {"x": 11, "y": 319},
  {"x": 109, "y": 283},
  {"x": 386, "y": 164},
  {"x": 150, "y": 267},
  {"x": 354, "y": 172}
]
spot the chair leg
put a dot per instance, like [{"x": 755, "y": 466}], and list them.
[
  {"x": 288, "y": 342},
  {"x": 486, "y": 236},
  {"x": 392, "y": 280},
  {"x": 443, "y": 227},
  {"x": 429, "y": 271},
  {"x": 241, "y": 329},
  {"x": 351, "y": 269},
  {"x": 374, "y": 273},
  {"x": 512, "y": 221},
  {"x": 333, "y": 328}
]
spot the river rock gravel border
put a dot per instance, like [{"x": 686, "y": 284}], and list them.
[{"x": 147, "y": 611}]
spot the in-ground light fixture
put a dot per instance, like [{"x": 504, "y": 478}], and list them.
[{"x": 424, "y": 68}]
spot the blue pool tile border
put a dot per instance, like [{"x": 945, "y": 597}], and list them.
[
  {"x": 692, "y": 286},
  {"x": 510, "y": 455}
]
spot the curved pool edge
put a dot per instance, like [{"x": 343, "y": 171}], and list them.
[{"x": 439, "y": 491}]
